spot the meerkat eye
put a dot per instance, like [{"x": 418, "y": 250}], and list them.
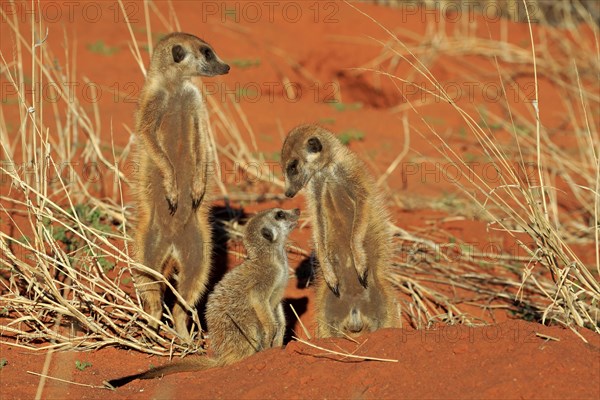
[
  {"x": 314, "y": 145},
  {"x": 292, "y": 168},
  {"x": 279, "y": 215},
  {"x": 207, "y": 53}
]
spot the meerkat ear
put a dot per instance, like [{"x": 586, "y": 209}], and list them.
[
  {"x": 268, "y": 234},
  {"x": 178, "y": 53},
  {"x": 314, "y": 145}
]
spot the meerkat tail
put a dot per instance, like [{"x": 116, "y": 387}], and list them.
[{"x": 189, "y": 365}]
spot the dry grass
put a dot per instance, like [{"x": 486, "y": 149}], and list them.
[
  {"x": 66, "y": 250},
  {"x": 341, "y": 355},
  {"x": 520, "y": 203}
]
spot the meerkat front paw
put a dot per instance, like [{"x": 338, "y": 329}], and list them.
[
  {"x": 196, "y": 202},
  {"x": 171, "y": 194},
  {"x": 197, "y": 196},
  {"x": 172, "y": 205},
  {"x": 360, "y": 264},
  {"x": 330, "y": 277}
]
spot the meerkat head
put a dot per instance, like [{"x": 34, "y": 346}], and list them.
[
  {"x": 268, "y": 230},
  {"x": 308, "y": 149},
  {"x": 185, "y": 55}
]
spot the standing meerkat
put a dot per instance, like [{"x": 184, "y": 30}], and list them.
[
  {"x": 244, "y": 313},
  {"x": 174, "y": 156},
  {"x": 350, "y": 232}
]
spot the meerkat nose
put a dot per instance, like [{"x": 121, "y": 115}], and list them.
[
  {"x": 289, "y": 193},
  {"x": 227, "y": 68},
  {"x": 296, "y": 211}
]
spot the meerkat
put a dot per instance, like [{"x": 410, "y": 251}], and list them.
[
  {"x": 350, "y": 232},
  {"x": 244, "y": 314},
  {"x": 174, "y": 157}
]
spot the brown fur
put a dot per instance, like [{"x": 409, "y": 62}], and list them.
[
  {"x": 174, "y": 157},
  {"x": 244, "y": 314},
  {"x": 350, "y": 232}
]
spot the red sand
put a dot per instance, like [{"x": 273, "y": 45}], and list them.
[{"x": 500, "y": 361}]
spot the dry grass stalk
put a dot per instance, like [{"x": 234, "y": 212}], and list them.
[
  {"x": 344, "y": 355},
  {"x": 573, "y": 295},
  {"x": 66, "y": 381}
]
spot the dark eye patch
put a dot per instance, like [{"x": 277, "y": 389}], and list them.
[
  {"x": 207, "y": 53},
  {"x": 178, "y": 53},
  {"x": 292, "y": 168},
  {"x": 314, "y": 145},
  {"x": 279, "y": 215},
  {"x": 267, "y": 234}
]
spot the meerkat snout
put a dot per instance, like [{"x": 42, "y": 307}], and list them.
[
  {"x": 288, "y": 219},
  {"x": 267, "y": 235},
  {"x": 294, "y": 180},
  {"x": 209, "y": 63},
  {"x": 292, "y": 215},
  {"x": 300, "y": 162}
]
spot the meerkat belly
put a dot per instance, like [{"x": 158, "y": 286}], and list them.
[
  {"x": 278, "y": 291},
  {"x": 176, "y": 135},
  {"x": 339, "y": 220}
]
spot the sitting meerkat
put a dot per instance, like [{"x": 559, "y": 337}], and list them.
[
  {"x": 174, "y": 155},
  {"x": 350, "y": 232},
  {"x": 244, "y": 314}
]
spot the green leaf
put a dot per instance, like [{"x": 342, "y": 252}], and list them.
[
  {"x": 100, "y": 48},
  {"x": 82, "y": 365},
  {"x": 338, "y": 106},
  {"x": 350, "y": 135}
]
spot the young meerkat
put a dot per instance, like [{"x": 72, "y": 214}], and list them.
[
  {"x": 174, "y": 157},
  {"x": 244, "y": 314},
  {"x": 350, "y": 232}
]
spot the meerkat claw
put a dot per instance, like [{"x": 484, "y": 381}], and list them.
[
  {"x": 363, "y": 279},
  {"x": 196, "y": 202},
  {"x": 172, "y": 206},
  {"x": 336, "y": 290}
]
